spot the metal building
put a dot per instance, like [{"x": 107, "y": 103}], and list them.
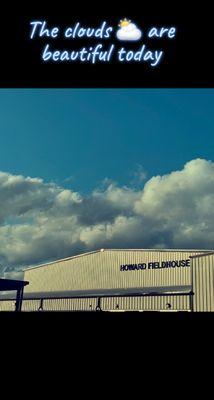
[
  {"x": 202, "y": 268},
  {"x": 121, "y": 280}
]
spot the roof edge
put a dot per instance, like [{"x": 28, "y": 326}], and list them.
[
  {"x": 102, "y": 250},
  {"x": 61, "y": 260},
  {"x": 112, "y": 292},
  {"x": 203, "y": 255}
]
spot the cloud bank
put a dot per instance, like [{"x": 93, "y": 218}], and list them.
[{"x": 41, "y": 221}]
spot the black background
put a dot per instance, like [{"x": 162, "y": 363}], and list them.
[{"x": 187, "y": 62}]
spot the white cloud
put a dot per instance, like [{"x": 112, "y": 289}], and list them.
[
  {"x": 129, "y": 32},
  {"x": 41, "y": 221}
]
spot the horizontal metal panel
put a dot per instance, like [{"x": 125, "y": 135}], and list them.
[
  {"x": 101, "y": 270},
  {"x": 108, "y": 292}
]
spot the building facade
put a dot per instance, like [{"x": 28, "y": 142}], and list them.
[
  {"x": 203, "y": 281},
  {"x": 121, "y": 280}
]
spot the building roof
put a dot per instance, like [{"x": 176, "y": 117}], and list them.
[
  {"x": 104, "y": 250},
  {"x": 208, "y": 253}
]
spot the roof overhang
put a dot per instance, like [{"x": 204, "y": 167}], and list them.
[
  {"x": 120, "y": 292},
  {"x": 11, "y": 285}
]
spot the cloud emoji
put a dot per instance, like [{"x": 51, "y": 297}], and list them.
[{"x": 128, "y": 31}]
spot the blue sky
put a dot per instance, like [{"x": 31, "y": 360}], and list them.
[
  {"x": 58, "y": 146},
  {"x": 79, "y": 137}
]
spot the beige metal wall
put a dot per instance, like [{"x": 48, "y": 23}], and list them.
[
  {"x": 153, "y": 303},
  {"x": 147, "y": 303},
  {"x": 70, "y": 304},
  {"x": 101, "y": 270},
  {"x": 203, "y": 283},
  {"x": 7, "y": 305},
  {"x": 30, "y": 305}
]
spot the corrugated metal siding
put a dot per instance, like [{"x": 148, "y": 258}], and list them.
[
  {"x": 203, "y": 283},
  {"x": 30, "y": 305},
  {"x": 147, "y": 303},
  {"x": 69, "y": 304},
  {"x": 101, "y": 270},
  {"x": 7, "y": 305}
]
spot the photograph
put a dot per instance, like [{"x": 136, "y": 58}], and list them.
[
  {"x": 106, "y": 167},
  {"x": 107, "y": 199}
]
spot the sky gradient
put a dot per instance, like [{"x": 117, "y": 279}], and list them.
[{"x": 80, "y": 137}]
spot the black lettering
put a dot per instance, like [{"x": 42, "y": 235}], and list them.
[
  {"x": 182, "y": 263},
  {"x": 142, "y": 266}
]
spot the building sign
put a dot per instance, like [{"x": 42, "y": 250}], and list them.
[{"x": 155, "y": 265}]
